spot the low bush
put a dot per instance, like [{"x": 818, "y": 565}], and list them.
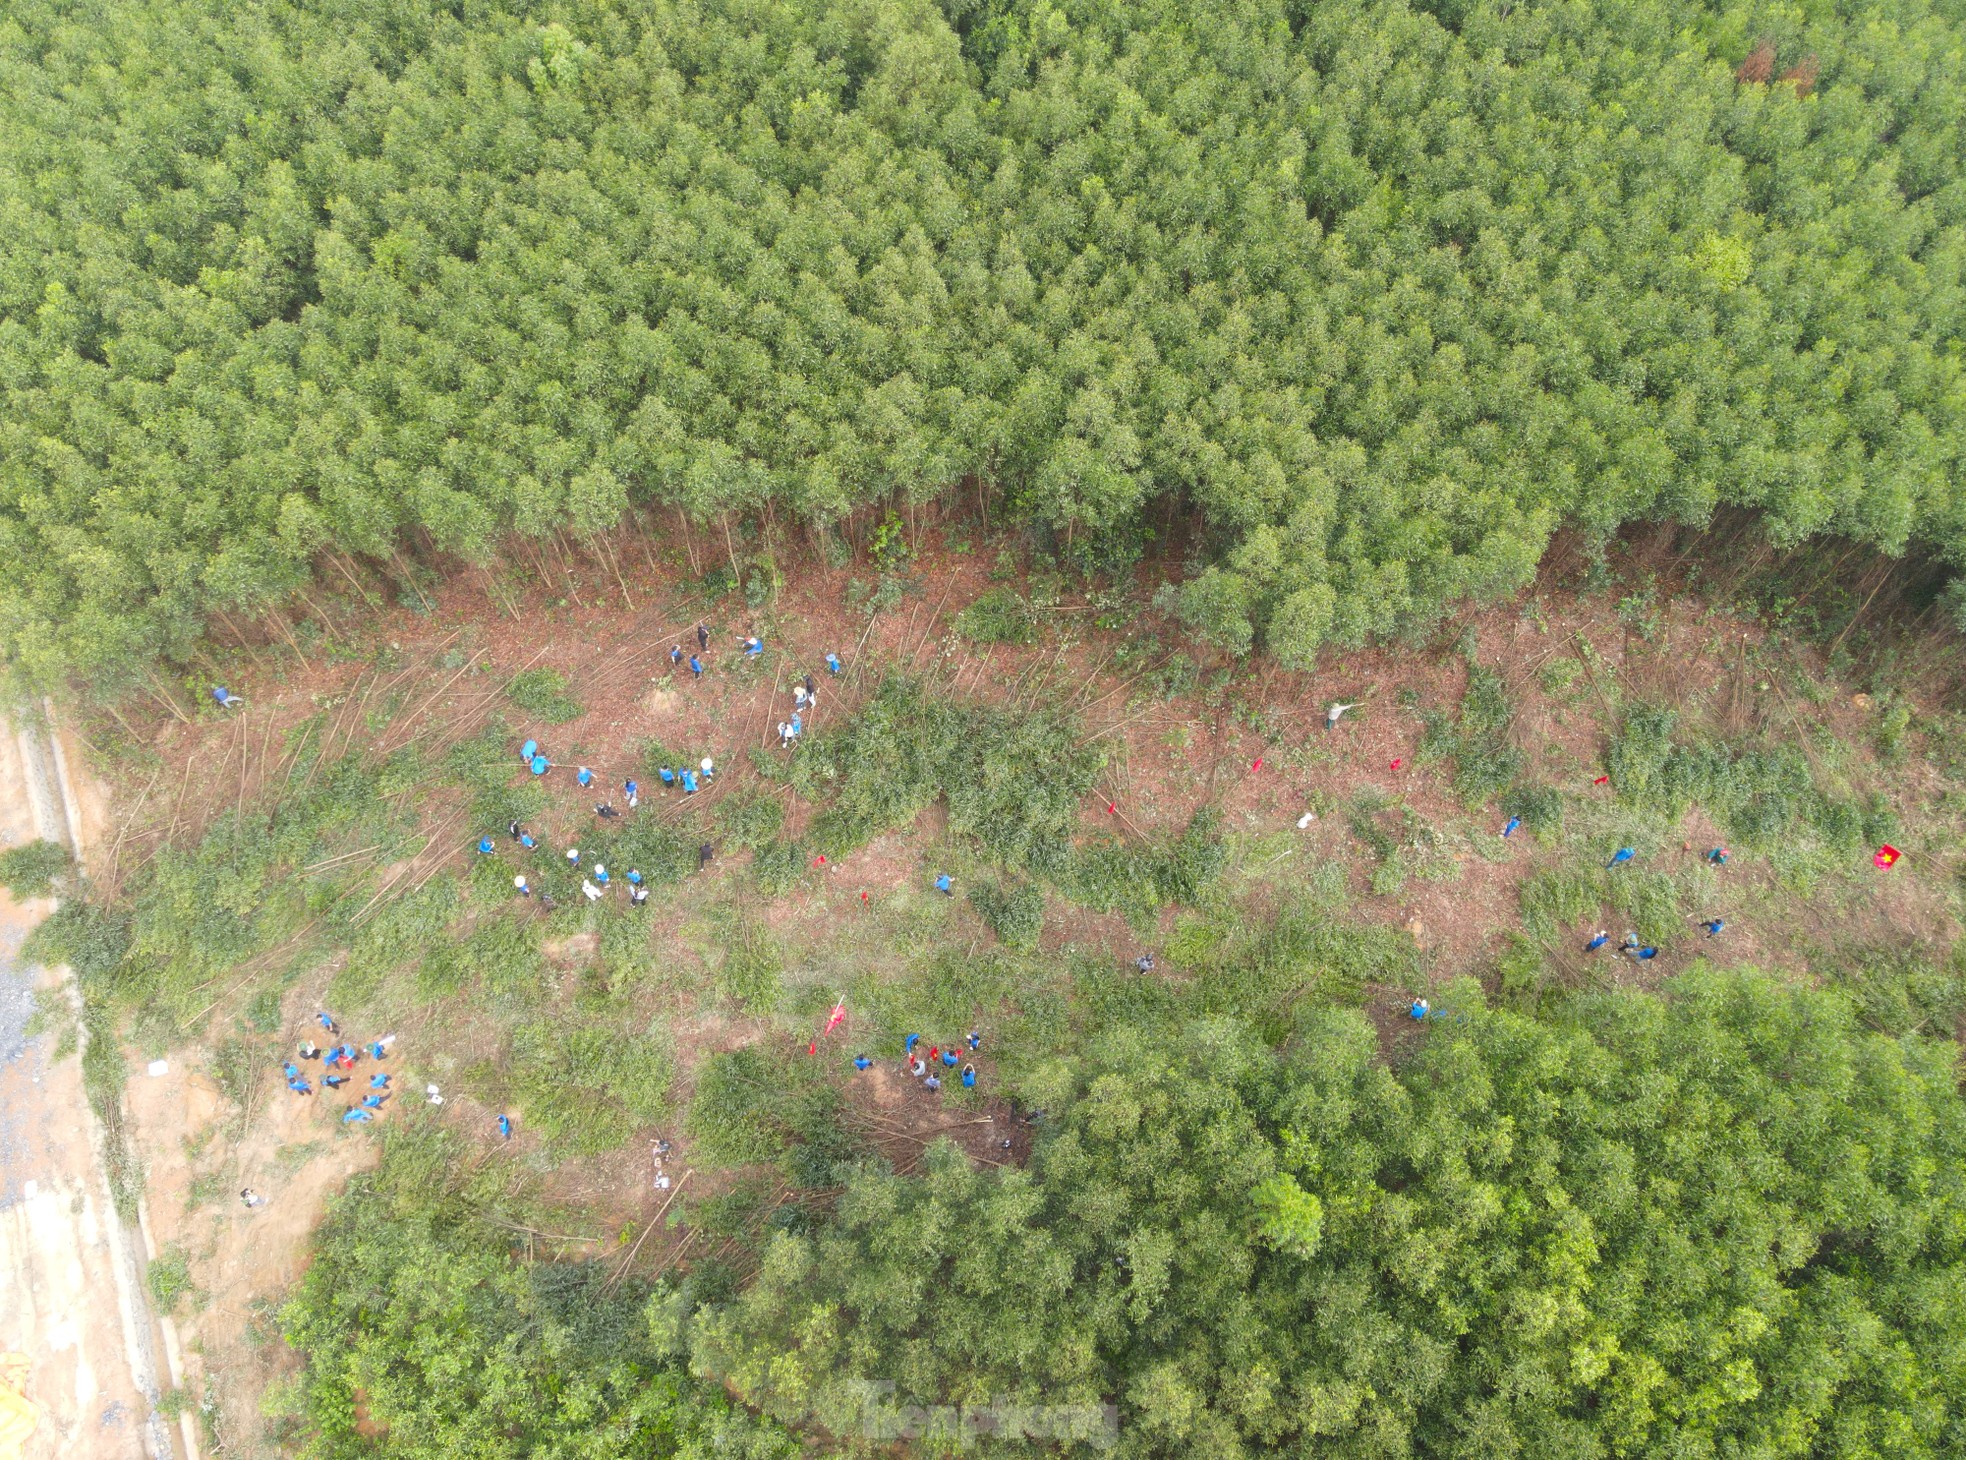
[
  {"x": 542, "y": 694},
  {"x": 32, "y": 868},
  {"x": 751, "y": 1106},
  {"x": 1000, "y": 616},
  {"x": 1903, "y": 989},
  {"x": 587, "y": 1087},
  {"x": 1758, "y": 795},
  {"x": 1476, "y": 741},
  {"x": 1014, "y": 913}
]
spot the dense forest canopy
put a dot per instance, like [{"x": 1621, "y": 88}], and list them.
[
  {"x": 1380, "y": 293},
  {"x": 1721, "y": 1223}
]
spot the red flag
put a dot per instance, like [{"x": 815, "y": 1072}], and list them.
[
  {"x": 1398, "y": 761},
  {"x": 863, "y": 897},
  {"x": 837, "y": 1017},
  {"x": 1885, "y": 857},
  {"x": 813, "y": 1048},
  {"x": 1600, "y": 780},
  {"x": 1112, "y": 808},
  {"x": 1258, "y": 765},
  {"x": 819, "y": 861}
]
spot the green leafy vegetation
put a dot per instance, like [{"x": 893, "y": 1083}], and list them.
[
  {"x": 423, "y": 1334},
  {"x": 542, "y": 694},
  {"x": 1015, "y": 913},
  {"x": 32, "y": 868},
  {"x": 169, "y": 1276},
  {"x": 1372, "y": 297},
  {"x": 1757, "y": 794},
  {"x": 1502, "y": 1246},
  {"x": 1014, "y": 784},
  {"x": 1000, "y": 616}
]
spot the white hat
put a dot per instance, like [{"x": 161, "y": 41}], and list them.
[
  {"x": 519, "y": 881},
  {"x": 708, "y": 764}
]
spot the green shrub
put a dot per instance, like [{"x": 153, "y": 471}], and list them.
[
  {"x": 1000, "y": 616},
  {"x": 779, "y": 867},
  {"x": 588, "y": 1087},
  {"x": 750, "y": 1106},
  {"x": 169, "y": 1277},
  {"x": 1649, "y": 903},
  {"x": 1539, "y": 806},
  {"x": 1905, "y": 989},
  {"x": 1757, "y": 795},
  {"x": 753, "y": 965},
  {"x": 1015, "y": 913},
  {"x": 1556, "y": 901},
  {"x": 31, "y": 869},
  {"x": 751, "y": 821},
  {"x": 1485, "y": 763},
  {"x": 542, "y": 694}
]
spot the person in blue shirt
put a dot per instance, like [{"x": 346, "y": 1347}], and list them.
[
  {"x": 334, "y": 1082},
  {"x": 1713, "y": 926},
  {"x": 944, "y": 884},
  {"x": 584, "y": 776},
  {"x": 373, "y": 1102},
  {"x": 573, "y": 857},
  {"x": 505, "y": 1126},
  {"x": 300, "y": 1086},
  {"x": 861, "y": 1062},
  {"x": 1642, "y": 954},
  {"x": 676, "y": 655},
  {"x": 526, "y": 841},
  {"x": 378, "y": 1050},
  {"x": 689, "y": 783},
  {"x": 1418, "y": 1010},
  {"x": 291, "y": 1070},
  {"x": 832, "y": 663},
  {"x": 379, "y": 1081},
  {"x": 634, "y": 878},
  {"x": 601, "y": 873},
  {"x": 541, "y": 765},
  {"x": 327, "y": 1021},
  {"x": 356, "y": 1113},
  {"x": 908, "y": 1044},
  {"x": 485, "y": 845},
  {"x": 529, "y": 750},
  {"x": 1717, "y": 856},
  {"x": 1597, "y": 942},
  {"x": 753, "y": 647},
  {"x": 1509, "y": 830},
  {"x": 667, "y": 776},
  {"x": 975, "y": 1039},
  {"x": 798, "y": 724},
  {"x": 696, "y": 666},
  {"x": 633, "y": 793},
  {"x": 969, "y": 1077},
  {"x": 949, "y": 1058},
  {"x": 226, "y": 699},
  {"x": 1623, "y": 854}
]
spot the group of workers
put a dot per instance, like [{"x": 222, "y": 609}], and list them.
[
  {"x": 338, "y": 1063},
  {"x": 940, "y": 1057}
]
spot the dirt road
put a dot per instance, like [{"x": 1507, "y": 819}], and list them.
[{"x": 69, "y": 1280}]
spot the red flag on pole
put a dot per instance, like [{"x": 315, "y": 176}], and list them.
[
  {"x": 838, "y": 1015},
  {"x": 1885, "y": 857}
]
